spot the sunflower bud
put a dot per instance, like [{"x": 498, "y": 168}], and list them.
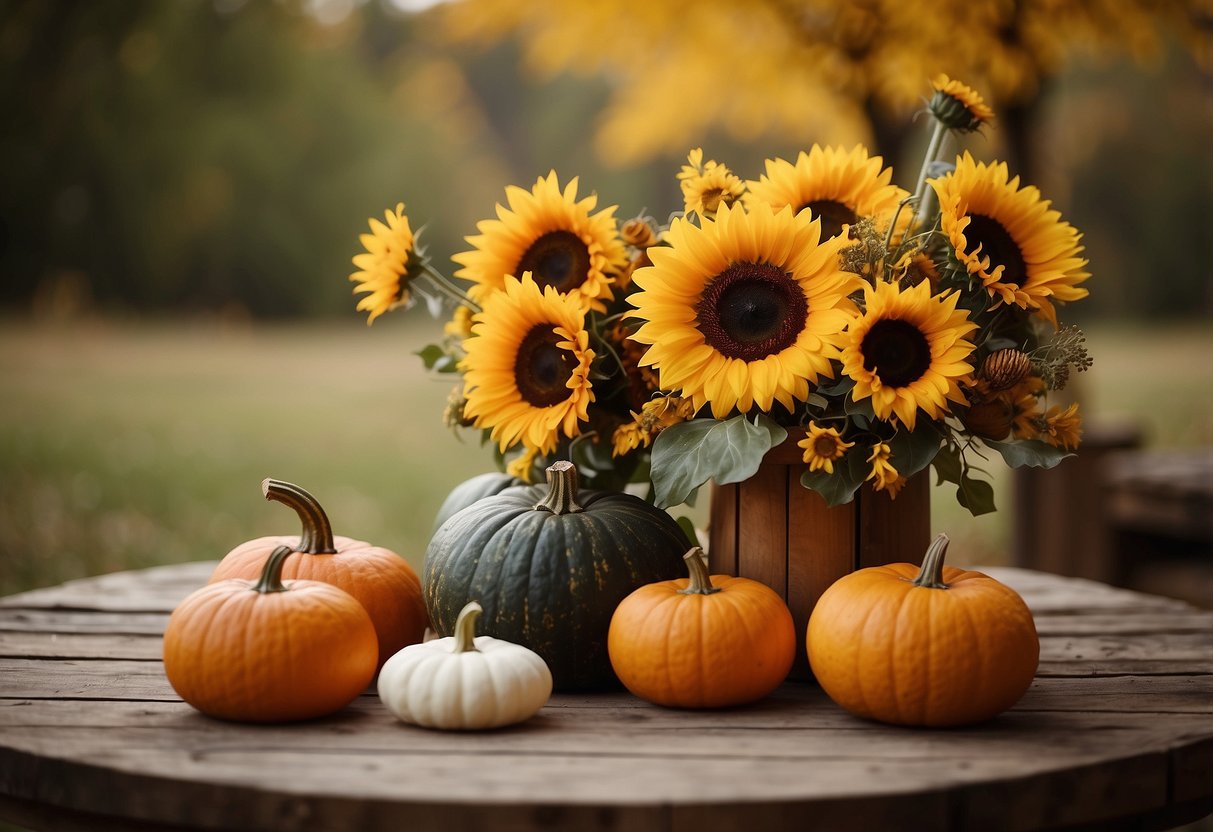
[
  {"x": 638, "y": 232},
  {"x": 957, "y": 106},
  {"x": 1003, "y": 369}
]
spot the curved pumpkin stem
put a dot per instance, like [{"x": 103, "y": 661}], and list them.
[
  {"x": 317, "y": 537},
  {"x": 701, "y": 581},
  {"x": 931, "y": 573},
  {"x": 465, "y": 628},
  {"x": 271, "y": 573},
  {"x": 562, "y": 489}
]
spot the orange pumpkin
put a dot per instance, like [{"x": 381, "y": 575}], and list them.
[
  {"x": 380, "y": 579},
  {"x": 934, "y": 646},
  {"x": 268, "y": 651},
  {"x": 706, "y": 642}
]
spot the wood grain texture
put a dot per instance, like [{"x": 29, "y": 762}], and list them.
[
  {"x": 821, "y": 547},
  {"x": 894, "y": 530},
  {"x": 722, "y": 530},
  {"x": 762, "y": 520},
  {"x": 1116, "y": 730}
]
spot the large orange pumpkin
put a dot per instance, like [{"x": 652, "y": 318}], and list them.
[
  {"x": 706, "y": 642},
  {"x": 380, "y": 579},
  {"x": 934, "y": 646},
  {"x": 268, "y": 651}
]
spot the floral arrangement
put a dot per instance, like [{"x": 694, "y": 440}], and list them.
[{"x": 885, "y": 330}]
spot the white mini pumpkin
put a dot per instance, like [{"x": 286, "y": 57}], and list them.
[{"x": 464, "y": 682}]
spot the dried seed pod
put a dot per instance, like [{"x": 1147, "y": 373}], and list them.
[{"x": 1003, "y": 369}]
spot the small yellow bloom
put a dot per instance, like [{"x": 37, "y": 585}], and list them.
[
  {"x": 1023, "y": 398},
  {"x": 822, "y": 447},
  {"x": 1062, "y": 428},
  {"x": 707, "y": 186},
  {"x": 460, "y": 324},
  {"x": 883, "y": 476},
  {"x": 654, "y": 417}
]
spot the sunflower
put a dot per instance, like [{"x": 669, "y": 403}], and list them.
[
  {"x": 388, "y": 265},
  {"x": 707, "y": 186},
  {"x": 1062, "y": 428},
  {"x": 526, "y": 374},
  {"x": 836, "y": 186},
  {"x": 744, "y": 310},
  {"x": 552, "y": 235},
  {"x": 1022, "y": 251},
  {"x": 823, "y": 447},
  {"x": 958, "y": 106},
  {"x": 909, "y": 351}
]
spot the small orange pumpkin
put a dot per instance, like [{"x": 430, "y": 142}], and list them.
[
  {"x": 380, "y": 579},
  {"x": 935, "y": 646},
  {"x": 706, "y": 642},
  {"x": 269, "y": 651}
]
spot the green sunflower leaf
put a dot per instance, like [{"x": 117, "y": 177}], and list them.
[
  {"x": 840, "y": 388},
  {"x": 688, "y": 528},
  {"x": 840, "y": 487},
  {"x": 975, "y": 495},
  {"x": 687, "y": 455},
  {"x": 947, "y": 465},
  {"x": 437, "y": 359},
  {"x": 1028, "y": 452},
  {"x": 863, "y": 407},
  {"x": 913, "y": 451}
]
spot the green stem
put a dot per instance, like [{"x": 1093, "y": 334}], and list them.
[
  {"x": 601, "y": 339},
  {"x": 443, "y": 284},
  {"x": 933, "y": 149},
  {"x": 562, "y": 489},
  {"x": 271, "y": 573},
  {"x": 701, "y": 581},
  {"x": 931, "y": 574},
  {"x": 317, "y": 536},
  {"x": 465, "y": 628}
]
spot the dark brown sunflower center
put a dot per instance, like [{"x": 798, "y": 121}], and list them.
[
  {"x": 751, "y": 310},
  {"x": 997, "y": 244},
  {"x": 558, "y": 259},
  {"x": 833, "y": 215},
  {"x": 542, "y": 369},
  {"x": 896, "y": 351},
  {"x": 825, "y": 445}
]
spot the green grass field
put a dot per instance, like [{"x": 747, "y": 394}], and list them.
[{"x": 125, "y": 444}]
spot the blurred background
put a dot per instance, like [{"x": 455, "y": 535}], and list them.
[{"x": 184, "y": 184}]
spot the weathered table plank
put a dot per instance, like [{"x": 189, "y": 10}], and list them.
[{"x": 1117, "y": 726}]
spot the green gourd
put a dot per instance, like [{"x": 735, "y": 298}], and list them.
[
  {"x": 549, "y": 566},
  {"x": 473, "y": 490}
]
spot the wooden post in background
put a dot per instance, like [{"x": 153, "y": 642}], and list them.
[{"x": 772, "y": 529}]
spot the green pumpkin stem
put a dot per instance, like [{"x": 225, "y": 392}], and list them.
[
  {"x": 317, "y": 537},
  {"x": 562, "y": 489},
  {"x": 465, "y": 628},
  {"x": 931, "y": 574},
  {"x": 701, "y": 581},
  {"x": 271, "y": 573}
]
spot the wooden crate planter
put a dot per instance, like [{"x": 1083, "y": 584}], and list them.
[{"x": 773, "y": 529}]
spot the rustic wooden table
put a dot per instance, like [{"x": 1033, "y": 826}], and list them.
[{"x": 1116, "y": 732}]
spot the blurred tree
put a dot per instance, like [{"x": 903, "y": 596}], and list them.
[
  {"x": 195, "y": 155},
  {"x": 839, "y": 71}
]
